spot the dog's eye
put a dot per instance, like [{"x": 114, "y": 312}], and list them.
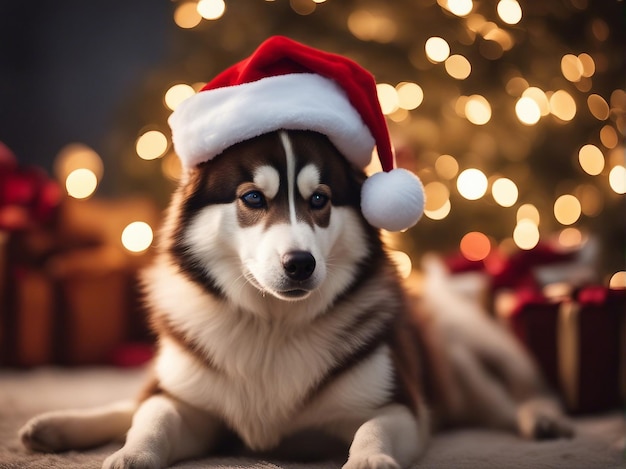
[
  {"x": 318, "y": 200},
  {"x": 253, "y": 199}
]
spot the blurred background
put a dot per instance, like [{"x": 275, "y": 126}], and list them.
[{"x": 512, "y": 112}]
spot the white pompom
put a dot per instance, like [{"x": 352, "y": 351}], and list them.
[{"x": 392, "y": 200}]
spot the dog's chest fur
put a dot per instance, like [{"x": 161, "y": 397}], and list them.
[{"x": 264, "y": 365}]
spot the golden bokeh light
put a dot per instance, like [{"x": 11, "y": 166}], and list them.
[
  {"x": 388, "y": 97},
  {"x": 509, "y": 11},
  {"x": 372, "y": 26},
  {"x": 410, "y": 95},
  {"x": 527, "y": 111},
  {"x": 475, "y": 246},
  {"x": 446, "y": 166},
  {"x": 211, "y": 9},
  {"x": 177, "y": 94},
  {"x": 439, "y": 214},
  {"x": 567, "y": 209},
  {"x": 617, "y": 179},
  {"x": 528, "y": 212},
  {"x": 458, "y": 67},
  {"x": 151, "y": 145},
  {"x": 590, "y": 198},
  {"x": 137, "y": 236},
  {"x": 526, "y": 234},
  {"x": 76, "y": 156},
  {"x": 472, "y": 184},
  {"x": 570, "y": 237},
  {"x": 186, "y": 15},
  {"x": 478, "y": 110},
  {"x": 608, "y": 136},
  {"x": 562, "y": 105},
  {"x": 571, "y": 67},
  {"x": 437, "y": 49},
  {"x": 403, "y": 263},
  {"x": 591, "y": 159},
  {"x": 516, "y": 86},
  {"x": 81, "y": 183},
  {"x": 504, "y": 192},
  {"x": 458, "y": 7},
  {"x": 437, "y": 194},
  {"x": 589, "y": 66},
  {"x": 598, "y": 107},
  {"x": 539, "y": 96},
  {"x": 618, "y": 280}
]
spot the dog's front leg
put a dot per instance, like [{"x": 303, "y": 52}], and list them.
[
  {"x": 164, "y": 430},
  {"x": 393, "y": 438}
]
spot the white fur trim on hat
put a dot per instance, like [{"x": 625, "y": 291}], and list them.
[
  {"x": 392, "y": 200},
  {"x": 210, "y": 121}
]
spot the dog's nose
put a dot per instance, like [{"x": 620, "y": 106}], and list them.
[{"x": 298, "y": 265}]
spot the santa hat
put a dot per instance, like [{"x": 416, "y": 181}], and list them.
[{"x": 287, "y": 85}]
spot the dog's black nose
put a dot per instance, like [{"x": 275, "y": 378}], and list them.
[{"x": 298, "y": 265}]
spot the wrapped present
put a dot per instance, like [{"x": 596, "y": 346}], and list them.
[{"x": 578, "y": 339}]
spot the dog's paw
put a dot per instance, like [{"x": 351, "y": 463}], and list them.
[
  {"x": 125, "y": 459},
  {"x": 374, "y": 461},
  {"x": 550, "y": 427},
  {"x": 42, "y": 434}
]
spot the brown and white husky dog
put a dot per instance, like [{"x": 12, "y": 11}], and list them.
[{"x": 278, "y": 310}]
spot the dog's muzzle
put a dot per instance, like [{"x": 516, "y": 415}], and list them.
[{"x": 298, "y": 265}]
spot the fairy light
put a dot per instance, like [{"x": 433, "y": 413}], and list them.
[
  {"x": 478, "y": 110},
  {"x": 81, "y": 183},
  {"x": 388, "y": 97},
  {"x": 571, "y": 67},
  {"x": 608, "y": 136},
  {"x": 472, "y": 184},
  {"x": 177, "y": 94},
  {"x": 458, "y": 67},
  {"x": 457, "y": 7},
  {"x": 410, "y": 95},
  {"x": 475, "y": 246},
  {"x": 446, "y": 166},
  {"x": 403, "y": 263},
  {"x": 437, "y": 194},
  {"x": 618, "y": 280},
  {"x": 75, "y": 156},
  {"x": 528, "y": 212},
  {"x": 598, "y": 107},
  {"x": 588, "y": 64},
  {"x": 526, "y": 234},
  {"x": 440, "y": 213},
  {"x": 186, "y": 15},
  {"x": 539, "y": 96},
  {"x": 509, "y": 11},
  {"x": 211, "y": 9},
  {"x": 527, "y": 110},
  {"x": 151, "y": 145},
  {"x": 504, "y": 192},
  {"x": 437, "y": 49},
  {"x": 562, "y": 105},
  {"x": 570, "y": 237},
  {"x": 617, "y": 179},
  {"x": 591, "y": 159},
  {"x": 567, "y": 209},
  {"x": 137, "y": 236}
]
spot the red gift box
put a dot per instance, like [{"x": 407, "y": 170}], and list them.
[{"x": 579, "y": 342}]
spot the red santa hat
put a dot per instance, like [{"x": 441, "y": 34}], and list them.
[{"x": 287, "y": 85}]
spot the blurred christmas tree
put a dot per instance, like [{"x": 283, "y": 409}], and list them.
[{"x": 512, "y": 113}]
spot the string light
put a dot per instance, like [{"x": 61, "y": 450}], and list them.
[
  {"x": 410, "y": 95},
  {"x": 528, "y": 212},
  {"x": 81, "y": 183},
  {"x": 472, "y": 184},
  {"x": 608, "y": 136},
  {"x": 509, "y": 11},
  {"x": 151, "y": 145},
  {"x": 388, "y": 98},
  {"x": 186, "y": 15},
  {"x": 539, "y": 96},
  {"x": 137, "y": 236},
  {"x": 527, "y": 110},
  {"x": 446, "y": 166},
  {"x": 598, "y": 107},
  {"x": 618, "y": 280},
  {"x": 437, "y": 194},
  {"x": 457, "y": 7},
  {"x": 567, "y": 209},
  {"x": 440, "y": 213},
  {"x": 562, "y": 105},
  {"x": 475, "y": 246},
  {"x": 478, "y": 110},
  {"x": 177, "y": 94},
  {"x": 504, "y": 192},
  {"x": 458, "y": 67},
  {"x": 526, "y": 234},
  {"x": 591, "y": 159},
  {"x": 211, "y": 9},
  {"x": 437, "y": 49},
  {"x": 617, "y": 179}
]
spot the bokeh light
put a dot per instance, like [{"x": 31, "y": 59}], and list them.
[
  {"x": 186, "y": 15},
  {"x": 567, "y": 209},
  {"x": 403, "y": 263},
  {"x": 437, "y": 194},
  {"x": 617, "y": 179},
  {"x": 504, "y": 192},
  {"x": 176, "y": 94},
  {"x": 446, "y": 166},
  {"x": 151, "y": 145},
  {"x": 211, "y": 9},
  {"x": 410, "y": 95},
  {"x": 440, "y": 213},
  {"x": 81, "y": 183},
  {"x": 618, "y": 280},
  {"x": 591, "y": 159},
  {"x": 598, "y": 107},
  {"x": 137, "y": 236},
  {"x": 526, "y": 234},
  {"x": 388, "y": 98},
  {"x": 562, "y": 105},
  {"x": 570, "y": 237},
  {"x": 528, "y": 212},
  {"x": 478, "y": 110},
  {"x": 458, "y": 67},
  {"x": 475, "y": 246},
  {"x": 437, "y": 49},
  {"x": 527, "y": 111},
  {"x": 472, "y": 184},
  {"x": 509, "y": 11}
]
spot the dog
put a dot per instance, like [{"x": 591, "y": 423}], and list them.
[{"x": 278, "y": 309}]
